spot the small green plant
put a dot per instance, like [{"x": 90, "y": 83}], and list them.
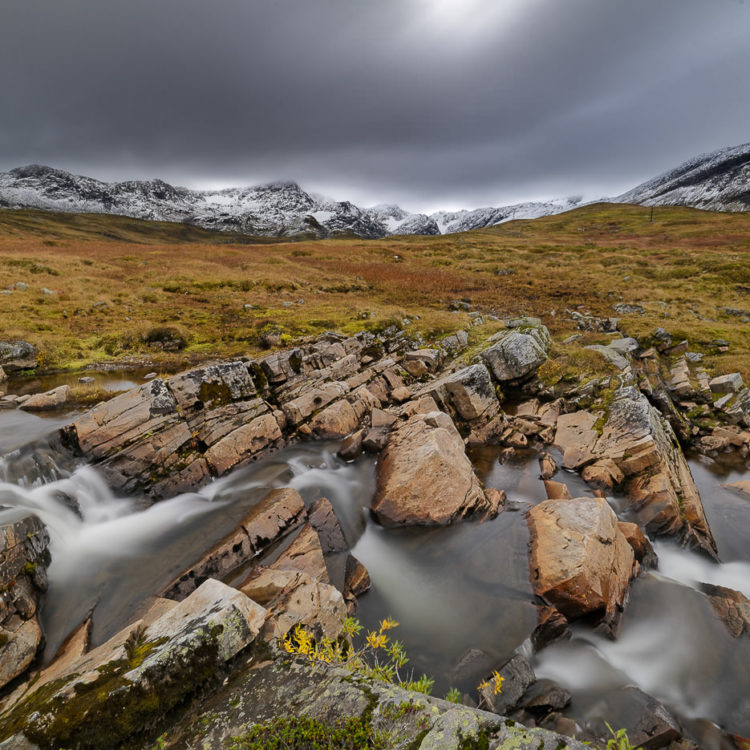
[
  {"x": 454, "y": 696},
  {"x": 378, "y": 657},
  {"x": 619, "y": 740}
]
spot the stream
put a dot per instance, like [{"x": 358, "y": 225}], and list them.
[{"x": 452, "y": 589}]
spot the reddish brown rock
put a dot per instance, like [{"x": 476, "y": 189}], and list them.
[
  {"x": 323, "y": 519},
  {"x": 732, "y": 607},
  {"x": 425, "y": 477},
  {"x": 642, "y": 548},
  {"x": 547, "y": 465},
  {"x": 580, "y": 560},
  {"x": 304, "y": 554},
  {"x": 557, "y": 490},
  {"x": 743, "y": 486}
]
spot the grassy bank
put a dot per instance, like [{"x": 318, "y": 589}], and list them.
[{"x": 89, "y": 288}]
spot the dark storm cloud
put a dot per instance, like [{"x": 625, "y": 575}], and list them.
[{"x": 425, "y": 102}]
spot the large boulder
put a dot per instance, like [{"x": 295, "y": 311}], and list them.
[
  {"x": 732, "y": 607},
  {"x": 23, "y": 579},
  {"x": 425, "y": 477},
  {"x": 17, "y": 355},
  {"x": 580, "y": 560},
  {"x": 517, "y": 353},
  {"x": 108, "y": 696},
  {"x": 631, "y": 444}
]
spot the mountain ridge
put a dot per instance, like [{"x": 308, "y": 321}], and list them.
[{"x": 719, "y": 181}]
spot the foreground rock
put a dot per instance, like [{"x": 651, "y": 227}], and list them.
[
  {"x": 110, "y": 695},
  {"x": 580, "y": 560},
  {"x": 23, "y": 579},
  {"x": 291, "y": 688},
  {"x": 631, "y": 444},
  {"x": 425, "y": 477}
]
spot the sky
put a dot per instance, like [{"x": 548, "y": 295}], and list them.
[{"x": 426, "y": 103}]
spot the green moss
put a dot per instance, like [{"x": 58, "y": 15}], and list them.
[{"x": 215, "y": 394}]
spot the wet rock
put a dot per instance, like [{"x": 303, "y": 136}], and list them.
[
  {"x": 517, "y": 676},
  {"x": 580, "y": 561},
  {"x": 517, "y": 354},
  {"x": 732, "y": 607},
  {"x": 352, "y": 446},
  {"x": 743, "y": 486},
  {"x": 356, "y": 582},
  {"x": 557, "y": 490},
  {"x": 648, "y": 723},
  {"x": 603, "y": 473},
  {"x": 642, "y": 548},
  {"x": 17, "y": 355},
  {"x": 323, "y": 519},
  {"x": 111, "y": 693},
  {"x": 425, "y": 477},
  {"x": 543, "y": 696},
  {"x": 552, "y": 626},
  {"x": 276, "y": 515},
  {"x": 473, "y": 666},
  {"x": 547, "y": 465},
  {"x": 575, "y": 437},
  {"x": 24, "y": 558},
  {"x": 54, "y": 399}
]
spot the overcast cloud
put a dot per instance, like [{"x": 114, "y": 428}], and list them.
[{"x": 428, "y": 103}]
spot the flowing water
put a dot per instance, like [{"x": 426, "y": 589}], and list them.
[{"x": 452, "y": 589}]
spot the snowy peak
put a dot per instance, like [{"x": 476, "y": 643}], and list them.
[{"x": 719, "y": 181}]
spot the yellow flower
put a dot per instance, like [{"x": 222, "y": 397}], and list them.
[
  {"x": 482, "y": 685},
  {"x": 388, "y": 624},
  {"x": 498, "y": 680},
  {"x": 376, "y": 640}
]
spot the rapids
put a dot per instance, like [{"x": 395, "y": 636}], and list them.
[{"x": 452, "y": 589}]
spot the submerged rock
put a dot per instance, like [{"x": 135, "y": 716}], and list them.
[
  {"x": 425, "y": 477},
  {"x": 580, "y": 560},
  {"x": 23, "y": 579}
]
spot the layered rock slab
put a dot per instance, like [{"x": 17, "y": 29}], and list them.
[
  {"x": 632, "y": 444},
  {"x": 425, "y": 476},
  {"x": 580, "y": 560}
]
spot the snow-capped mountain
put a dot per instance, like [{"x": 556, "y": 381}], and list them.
[
  {"x": 463, "y": 221},
  {"x": 719, "y": 181},
  {"x": 279, "y": 209}
]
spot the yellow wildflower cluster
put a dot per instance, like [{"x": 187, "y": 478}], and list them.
[{"x": 496, "y": 683}]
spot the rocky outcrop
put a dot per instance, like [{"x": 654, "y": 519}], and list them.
[
  {"x": 17, "y": 355},
  {"x": 23, "y": 579},
  {"x": 631, "y": 444},
  {"x": 110, "y": 695},
  {"x": 517, "y": 353},
  {"x": 290, "y": 688},
  {"x": 580, "y": 560},
  {"x": 425, "y": 477},
  {"x": 468, "y": 393}
]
